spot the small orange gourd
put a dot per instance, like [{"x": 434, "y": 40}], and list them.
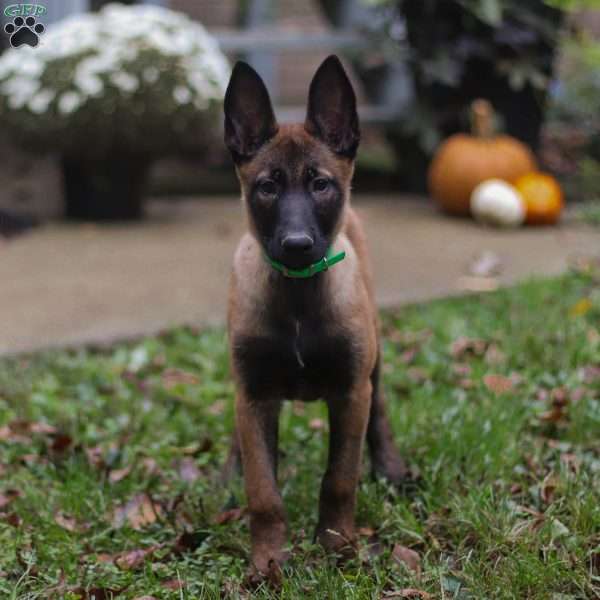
[
  {"x": 463, "y": 161},
  {"x": 543, "y": 198}
]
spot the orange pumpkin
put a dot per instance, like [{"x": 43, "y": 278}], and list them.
[
  {"x": 463, "y": 161},
  {"x": 543, "y": 198}
]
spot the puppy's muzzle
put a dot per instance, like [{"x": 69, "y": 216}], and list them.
[{"x": 297, "y": 243}]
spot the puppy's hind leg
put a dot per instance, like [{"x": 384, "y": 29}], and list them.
[{"x": 385, "y": 458}]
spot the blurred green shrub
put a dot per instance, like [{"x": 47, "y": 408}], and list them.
[
  {"x": 501, "y": 50},
  {"x": 577, "y": 97},
  {"x": 135, "y": 80},
  {"x": 572, "y": 5},
  {"x": 572, "y": 148}
]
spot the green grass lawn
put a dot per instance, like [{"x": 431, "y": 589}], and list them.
[{"x": 109, "y": 463}]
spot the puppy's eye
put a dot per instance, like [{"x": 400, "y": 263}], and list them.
[
  {"x": 267, "y": 188},
  {"x": 320, "y": 184}
]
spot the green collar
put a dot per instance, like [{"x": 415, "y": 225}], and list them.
[{"x": 322, "y": 265}]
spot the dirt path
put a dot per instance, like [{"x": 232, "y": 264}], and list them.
[{"x": 67, "y": 284}]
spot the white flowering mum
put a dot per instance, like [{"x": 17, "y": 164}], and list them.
[{"x": 141, "y": 77}]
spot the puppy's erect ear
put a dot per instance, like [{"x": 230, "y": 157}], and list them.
[
  {"x": 249, "y": 118},
  {"x": 331, "y": 114}
]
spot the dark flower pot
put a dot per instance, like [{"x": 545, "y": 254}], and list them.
[{"x": 106, "y": 189}]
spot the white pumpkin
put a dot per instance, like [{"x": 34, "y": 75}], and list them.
[{"x": 496, "y": 202}]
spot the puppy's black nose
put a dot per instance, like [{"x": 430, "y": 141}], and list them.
[{"x": 297, "y": 242}]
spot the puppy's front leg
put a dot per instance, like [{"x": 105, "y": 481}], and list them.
[
  {"x": 348, "y": 418},
  {"x": 257, "y": 428}
]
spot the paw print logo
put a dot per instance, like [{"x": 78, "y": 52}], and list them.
[{"x": 24, "y": 31}]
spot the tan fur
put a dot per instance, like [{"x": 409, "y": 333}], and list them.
[
  {"x": 344, "y": 309},
  {"x": 350, "y": 288}
]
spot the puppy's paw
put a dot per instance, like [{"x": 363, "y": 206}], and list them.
[
  {"x": 395, "y": 471},
  {"x": 266, "y": 567},
  {"x": 336, "y": 542},
  {"x": 392, "y": 469}
]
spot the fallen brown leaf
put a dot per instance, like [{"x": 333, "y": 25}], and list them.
[
  {"x": 132, "y": 559},
  {"x": 173, "y": 584},
  {"x": 554, "y": 415},
  {"x": 498, "y": 384},
  {"x": 12, "y": 519},
  {"x": 8, "y": 496},
  {"x": 14, "y": 433},
  {"x": 527, "y": 525},
  {"x": 139, "y": 512},
  {"x": 464, "y": 346},
  {"x": 119, "y": 474},
  {"x": 104, "y": 557},
  {"x": 95, "y": 593},
  {"x": 21, "y": 429},
  {"x": 408, "y": 593},
  {"x": 515, "y": 489},
  {"x": 227, "y": 516},
  {"x": 43, "y": 428},
  {"x": 559, "y": 410},
  {"x": 33, "y": 459},
  {"x": 61, "y": 442},
  {"x": 406, "y": 556},
  {"x": 70, "y": 523},
  {"x": 173, "y": 377}
]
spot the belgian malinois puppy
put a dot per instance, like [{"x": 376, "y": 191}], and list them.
[{"x": 302, "y": 317}]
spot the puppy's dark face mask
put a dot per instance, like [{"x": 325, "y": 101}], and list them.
[{"x": 295, "y": 178}]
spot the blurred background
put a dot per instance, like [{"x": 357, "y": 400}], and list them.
[{"x": 118, "y": 208}]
